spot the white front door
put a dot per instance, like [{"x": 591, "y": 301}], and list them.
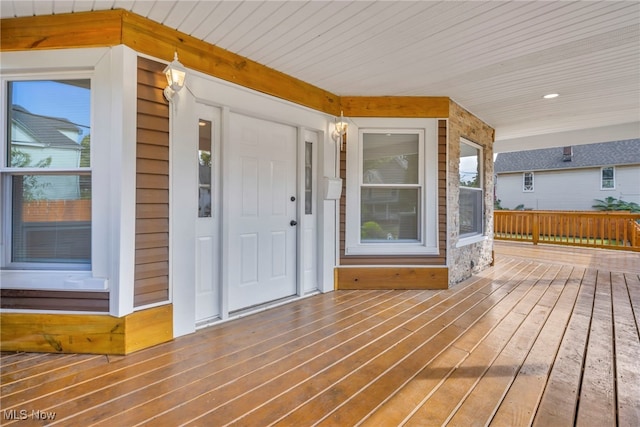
[
  {"x": 262, "y": 205},
  {"x": 207, "y": 160}
]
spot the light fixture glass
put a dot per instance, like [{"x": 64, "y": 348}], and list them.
[
  {"x": 551, "y": 95},
  {"x": 176, "y": 74},
  {"x": 340, "y": 128}
]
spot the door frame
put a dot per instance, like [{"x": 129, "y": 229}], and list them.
[
  {"x": 228, "y": 98},
  {"x": 303, "y": 135},
  {"x": 307, "y": 136},
  {"x": 213, "y": 114}
]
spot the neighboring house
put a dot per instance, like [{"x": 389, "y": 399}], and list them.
[
  {"x": 47, "y": 142},
  {"x": 50, "y": 213},
  {"x": 569, "y": 178},
  {"x": 214, "y": 204}
]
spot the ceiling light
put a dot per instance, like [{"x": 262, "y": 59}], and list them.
[{"x": 551, "y": 95}]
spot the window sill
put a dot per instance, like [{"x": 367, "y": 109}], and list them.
[
  {"x": 391, "y": 249},
  {"x": 471, "y": 240},
  {"x": 52, "y": 280}
]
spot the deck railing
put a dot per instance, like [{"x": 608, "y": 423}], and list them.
[{"x": 609, "y": 229}]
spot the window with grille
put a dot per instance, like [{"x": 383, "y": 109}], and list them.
[
  {"x": 608, "y": 181},
  {"x": 47, "y": 174},
  {"x": 527, "y": 182}
]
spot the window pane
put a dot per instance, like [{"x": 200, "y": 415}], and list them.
[
  {"x": 204, "y": 170},
  {"x": 390, "y": 158},
  {"x": 470, "y": 211},
  {"x": 389, "y": 215},
  {"x": 50, "y": 124},
  {"x": 469, "y": 166},
  {"x": 308, "y": 178},
  {"x": 51, "y": 219},
  {"x": 607, "y": 178},
  {"x": 528, "y": 181}
]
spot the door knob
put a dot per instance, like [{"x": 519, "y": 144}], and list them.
[{"x": 293, "y": 223}]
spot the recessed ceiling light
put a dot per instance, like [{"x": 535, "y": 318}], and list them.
[{"x": 551, "y": 95}]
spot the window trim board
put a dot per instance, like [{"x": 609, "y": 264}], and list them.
[
  {"x": 613, "y": 178},
  {"x": 428, "y": 172},
  {"x": 472, "y": 236},
  {"x": 113, "y": 167}
]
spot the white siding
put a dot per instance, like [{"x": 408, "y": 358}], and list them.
[{"x": 574, "y": 189}]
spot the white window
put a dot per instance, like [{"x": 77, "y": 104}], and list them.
[
  {"x": 48, "y": 174},
  {"x": 66, "y": 176},
  {"x": 471, "y": 190},
  {"x": 527, "y": 182},
  {"x": 391, "y": 187},
  {"x": 392, "y": 207},
  {"x": 607, "y": 178}
]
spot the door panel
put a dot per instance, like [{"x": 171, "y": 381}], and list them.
[{"x": 262, "y": 203}]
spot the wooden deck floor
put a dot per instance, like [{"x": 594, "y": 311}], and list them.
[{"x": 543, "y": 338}]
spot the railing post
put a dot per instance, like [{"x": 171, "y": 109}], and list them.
[{"x": 536, "y": 228}]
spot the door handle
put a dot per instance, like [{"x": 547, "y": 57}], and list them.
[{"x": 293, "y": 223}]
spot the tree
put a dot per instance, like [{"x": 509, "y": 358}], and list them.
[
  {"x": 32, "y": 188},
  {"x": 613, "y": 204},
  {"x": 85, "y": 162}
]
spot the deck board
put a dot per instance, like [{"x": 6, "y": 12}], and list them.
[
  {"x": 485, "y": 336},
  {"x": 559, "y": 400},
  {"x": 521, "y": 401},
  {"x": 545, "y": 337},
  {"x": 479, "y": 407},
  {"x": 627, "y": 354},
  {"x": 597, "y": 395}
]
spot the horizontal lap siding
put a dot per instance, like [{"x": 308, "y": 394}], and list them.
[
  {"x": 26, "y": 299},
  {"x": 439, "y": 259},
  {"x": 152, "y": 187}
]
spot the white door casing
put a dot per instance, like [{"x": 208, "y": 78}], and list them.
[
  {"x": 206, "y": 158},
  {"x": 263, "y": 200},
  {"x": 308, "y": 206},
  {"x": 309, "y": 254}
]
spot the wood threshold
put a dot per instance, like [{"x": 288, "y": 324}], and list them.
[{"x": 525, "y": 342}]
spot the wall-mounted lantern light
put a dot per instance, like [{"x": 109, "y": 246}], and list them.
[
  {"x": 340, "y": 130},
  {"x": 176, "y": 74}
]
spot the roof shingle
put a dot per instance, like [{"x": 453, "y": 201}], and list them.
[{"x": 626, "y": 152}]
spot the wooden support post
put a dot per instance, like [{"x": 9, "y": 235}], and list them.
[{"x": 536, "y": 228}]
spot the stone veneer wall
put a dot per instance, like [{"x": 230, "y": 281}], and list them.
[{"x": 465, "y": 260}]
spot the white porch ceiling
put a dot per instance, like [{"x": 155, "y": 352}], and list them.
[{"x": 497, "y": 59}]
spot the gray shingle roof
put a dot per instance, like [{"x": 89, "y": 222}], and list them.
[
  {"x": 612, "y": 153},
  {"x": 44, "y": 129}
]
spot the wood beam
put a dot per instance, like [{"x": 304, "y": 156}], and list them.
[
  {"x": 65, "y": 31},
  {"x": 114, "y": 27},
  {"x": 395, "y": 106},
  {"x": 151, "y": 38},
  {"x": 368, "y": 277},
  {"x": 86, "y": 333}
]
